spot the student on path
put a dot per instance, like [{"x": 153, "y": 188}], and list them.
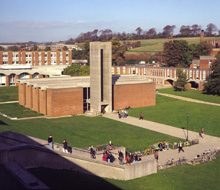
[
  {"x": 180, "y": 146},
  {"x": 202, "y": 132},
  {"x": 141, "y": 116},
  {"x": 50, "y": 141},
  {"x": 156, "y": 155},
  {"x": 65, "y": 146}
]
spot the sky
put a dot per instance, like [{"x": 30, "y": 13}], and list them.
[{"x": 59, "y": 20}]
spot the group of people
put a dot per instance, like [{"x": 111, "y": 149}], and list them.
[
  {"x": 162, "y": 146},
  {"x": 50, "y": 142},
  {"x": 107, "y": 156},
  {"x": 132, "y": 158},
  {"x": 123, "y": 113}
]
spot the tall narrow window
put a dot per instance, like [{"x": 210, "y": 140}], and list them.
[{"x": 101, "y": 75}]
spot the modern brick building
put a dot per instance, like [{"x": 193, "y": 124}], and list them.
[{"x": 75, "y": 95}]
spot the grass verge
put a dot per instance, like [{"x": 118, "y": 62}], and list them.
[
  {"x": 16, "y": 110},
  {"x": 172, "y": 112},
  {"x": 81, "y": 131},
  {"x": 203, "y": 176},
  {"x": 8, "y": 93},
  {"x": 190, "y": 93}
]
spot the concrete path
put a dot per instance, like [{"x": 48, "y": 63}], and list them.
[
  {"x": 188, "y": 99},
  {"x": 11, "y": 102},
  {"x": 206, "y": 143}
]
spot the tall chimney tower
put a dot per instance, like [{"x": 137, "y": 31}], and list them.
[{"x": 202, "y": 36}]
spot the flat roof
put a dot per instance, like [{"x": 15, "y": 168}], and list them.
[{"x": 82, "y": 81}]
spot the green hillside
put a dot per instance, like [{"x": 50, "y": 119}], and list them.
[{"x": 156, "y": 45}]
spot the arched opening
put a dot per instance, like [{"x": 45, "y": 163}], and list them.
[
  {"x": 194, "y": 84},
  {"x": 168, "y": 82},
  {"x": 12, "y": 79},
  {"x": 35, "y": 75},
  {"x": 24, "y": 76},
  {"x": 2, "y": 79}
]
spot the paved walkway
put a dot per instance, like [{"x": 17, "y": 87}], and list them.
[
  {"x": 10, "y": 102},
  {"x": 188, "y": 99},
  {"x": 206, "y": 143}
]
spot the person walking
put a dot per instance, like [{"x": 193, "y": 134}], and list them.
[
  {"x": 156, "y": 155},
  {"x": 180, "y": 146},
  {"x": 65, "y": 146},
  {"x": 202, "y": 132},
  {"x": 50, "y": 141},
  {"x": 141, "y": 116}
]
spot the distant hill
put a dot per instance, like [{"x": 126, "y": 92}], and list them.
[{"x": 156, "y": 45}]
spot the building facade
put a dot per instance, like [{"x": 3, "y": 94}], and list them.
[{"x": 31, "y": 64}]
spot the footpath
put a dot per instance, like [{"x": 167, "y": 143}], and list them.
[
  {"x": 205, "y": 144},
  {"x": 188, "y": 99}
]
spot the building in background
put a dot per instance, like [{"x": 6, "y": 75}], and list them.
[{"x": 32, "y": 64}]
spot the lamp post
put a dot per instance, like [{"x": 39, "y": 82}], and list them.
[{"x": 187, "y": 115}]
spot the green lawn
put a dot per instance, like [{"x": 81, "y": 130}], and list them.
[
  {"x": 155, "y": 45},
  {"x": 204, "y": 176},
  {"x": 82, "y": 131},
  {"x": 16, "y": 110},
  {"x": 190, "y": 93},
  {"x": 8, "y": 93},
  {"x": 172, "y": 112},
  {"x": 201, "y": 177}
]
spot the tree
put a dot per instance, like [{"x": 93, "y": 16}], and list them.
[
  {"x": 213, "y": 84},
  {"x": 139, "y": 31},
  {"x": 196, "y": 29},
  {"x": 211, "y": 28},
  {"x": 205, "y": 48},
  {"x": 168, "y": 30},
  {"x": 14, "y": 48},
  {"x": 151, "y": 32},
  {"x": 47, "y": 49},
  {"x": 185, "y": 30},
  {"x": 77, "y": 70},
  {"x": 177, "y": 52},
  {"x": 118, "y": 50},
  {"x": 181, "y": 79},
  {"x": 65, "y": 48}
]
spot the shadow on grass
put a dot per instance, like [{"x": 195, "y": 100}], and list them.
[
  {"x": 64, "y": 173},
  {"x": 3, "y": 123}
]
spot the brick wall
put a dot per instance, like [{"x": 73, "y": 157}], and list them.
[
  {"x": 62, "y": 102},
  {"x": 22, "y": 94},
  {"x": 134, "y": 95},
  {"x": 204, "y": 64}
]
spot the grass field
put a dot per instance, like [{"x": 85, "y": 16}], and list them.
[
  {"x": 9, "y": 93},
  {"x": 81, "y": 131},
  {"x": 156, "y": 45},
  {"x": 190, "y": 93},
  {"x": 16, "y": 110},
  {"x": 172, "y": 112},
  {"x": 203, "y": 176}
]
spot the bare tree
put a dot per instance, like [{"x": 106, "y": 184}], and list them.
[
  {"x": 139, "y": 31},
  {"x": 168, "y": 30},
  {"x": 151, "y": 32},
  {"x": 211, "y": 28}
]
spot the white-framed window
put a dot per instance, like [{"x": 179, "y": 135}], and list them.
[
  {"x": 118, "y": 70},
  {"x": 113, "y": 71},
  {"x": 197, "y": 74},
  {"x": 204, "y": 75},
  {"x": 11, "y": 79},
  {"x": 123, "y": 70},
  {"x": 5, "y": 62},
  {"x": 2, "y": 80},
  {"x": 190, "y": 74}
]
